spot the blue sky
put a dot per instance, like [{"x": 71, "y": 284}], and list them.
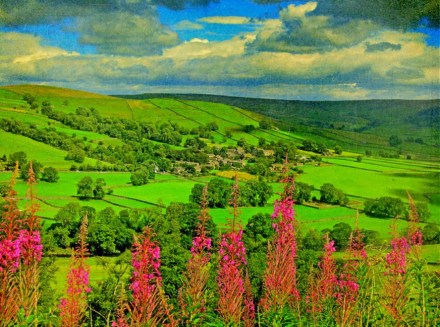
[{"x": 260, "y": 48}]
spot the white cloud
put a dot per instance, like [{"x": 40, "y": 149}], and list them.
[
  {"x": 186, "y": 25},
  {"x": 225, "y": 20}
]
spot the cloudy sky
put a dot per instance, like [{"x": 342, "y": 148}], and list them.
[{"x": 322, "y": 49}]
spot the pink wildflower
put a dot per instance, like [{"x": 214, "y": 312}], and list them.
[
  {"x": 230, "y": 280},
  {"x": 120, "y": 322},
  {"x": 73, "y": 306},
  {"x": 325, "y": 282},
  {"x": 280, "y": 277},
  {"x": 149, "y": 305},
  {"x": 192, "y": 297},
  {"x": 31, "y": 248},
  {"x": 396, "y": 259},
  {"x": 233, "y": 301},
  {"x": 9, "y": 255}
]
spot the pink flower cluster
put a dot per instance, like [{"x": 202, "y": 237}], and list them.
[
  {"x": 280, "y": 276},
  {"x": 31, "y": 248},
  {"x": 146, "y": 264},
  {"x": 347, "y": 289},
  {"x": 200, "y": 247},
  {"x": 232, "y": 251},
  {"x": 396, "y": 259},
  {"x": 328, "y": 268},
  {"x": 80, "y": 281},
  {"x": 356, "y": 246},
  {"x": 120, "y": 322},
  {"x": 9, "y": 254},
  {"x": 230, "y": 280},
  {"x": 27, "y": 246},
  {"x": 416, "y": 237}
]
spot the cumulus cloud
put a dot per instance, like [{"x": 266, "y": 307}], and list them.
[
  {"x": 301, "y": 55},
  {"x": 392, "y": 13},
  {"x": 301, "y": 32},
  {"x": 186, "y": 25},
  {"x": 382, "y": 46},
  {"x": 125, "y": 33},
  {"x": 225, "y": 20},
  {"x": 396, "y": 14}
]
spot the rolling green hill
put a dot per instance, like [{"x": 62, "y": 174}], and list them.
[{"x": 355, "y": 125}]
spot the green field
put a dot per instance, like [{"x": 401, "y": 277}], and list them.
[{"x": 371, "y": 178}]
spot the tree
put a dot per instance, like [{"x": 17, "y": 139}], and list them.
[
  {"x": 303, "y": 192},
  {"x": 85, "y": 188},
  {"x": 50, "y": 175},
  {"x": 212, "y": 126},
  {"x": 423, "y": 211},
  {"x": 359, "y": 158},
  {"x": 332, "y": 195},
  {"x": 338, "y": 149},
  {"x": 264, "y": 124},
  {"x": 196, "y": 193},
  {"x": 431, "y": 234},
  {"x": 98, "y": 191},
  {"x": 24, "y": 170},
  {"x": 341, "y": 235},
  {"x": 140, "y": 177},
  {"x": 256, "y": 236},
  {"x": 256, "y": 193},
  {"x": 19, "y": 157},
  {"x": 78, "y": 155},
  {"x": 313, "y": 240},
  {"x": 394, "y": 140},
  {"x": 249, "y": 128},
  {"x": 385, "y": 206}
]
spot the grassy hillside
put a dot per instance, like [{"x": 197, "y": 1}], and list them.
[
  {"x": 355, "y": 125},
  {"x": 370, "y": 178}
]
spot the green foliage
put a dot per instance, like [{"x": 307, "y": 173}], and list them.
[
  {"x": 140, "y": 177},
  {"x": 50, "y": 175},
  {"x": 332, "y": 195},
  {"x": 255, "y": 193},
  {"x": 219, "y": 192},
  {"x": 423, "y": 211},
  {"x": 36, "y": 166},
  {"x": 256, "y": 236},
  {"x": 77, "y": 155},
  {"x": 431, "y": 234},
  {"x": 303, "y": 192},
  {"x": 394, "y": 140},
  {"x": 341, "y": 235},
  {"x": 385, "y": 207},
  {"x": 312, "y": 240},
  {"x": 19, "y": 157},
  {"x": 338, "y": 149},
  {"x": 85, "y": 188}
]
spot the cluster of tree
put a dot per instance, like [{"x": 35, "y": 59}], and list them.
[
  {"x": 252, "y": 193},
  {"x": 431, "y": 234},
  {"x": 110, "y": 233},
  {"x": 89, "y": 189},
  {"x": 311, "y": 146},
  {"x": 89, "y": 119},
  {"x": 303, "y": 192},
  {"x": 47, "y": 174},
  {"x": 31, "y": 100},
  {"x": 142, "y": 175},
  {"x": 332, "y": 195},
  {"x": 385, "y": 207},
  {"x": 127, "y": 157},
  {"x": 389, "y": 207}
]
